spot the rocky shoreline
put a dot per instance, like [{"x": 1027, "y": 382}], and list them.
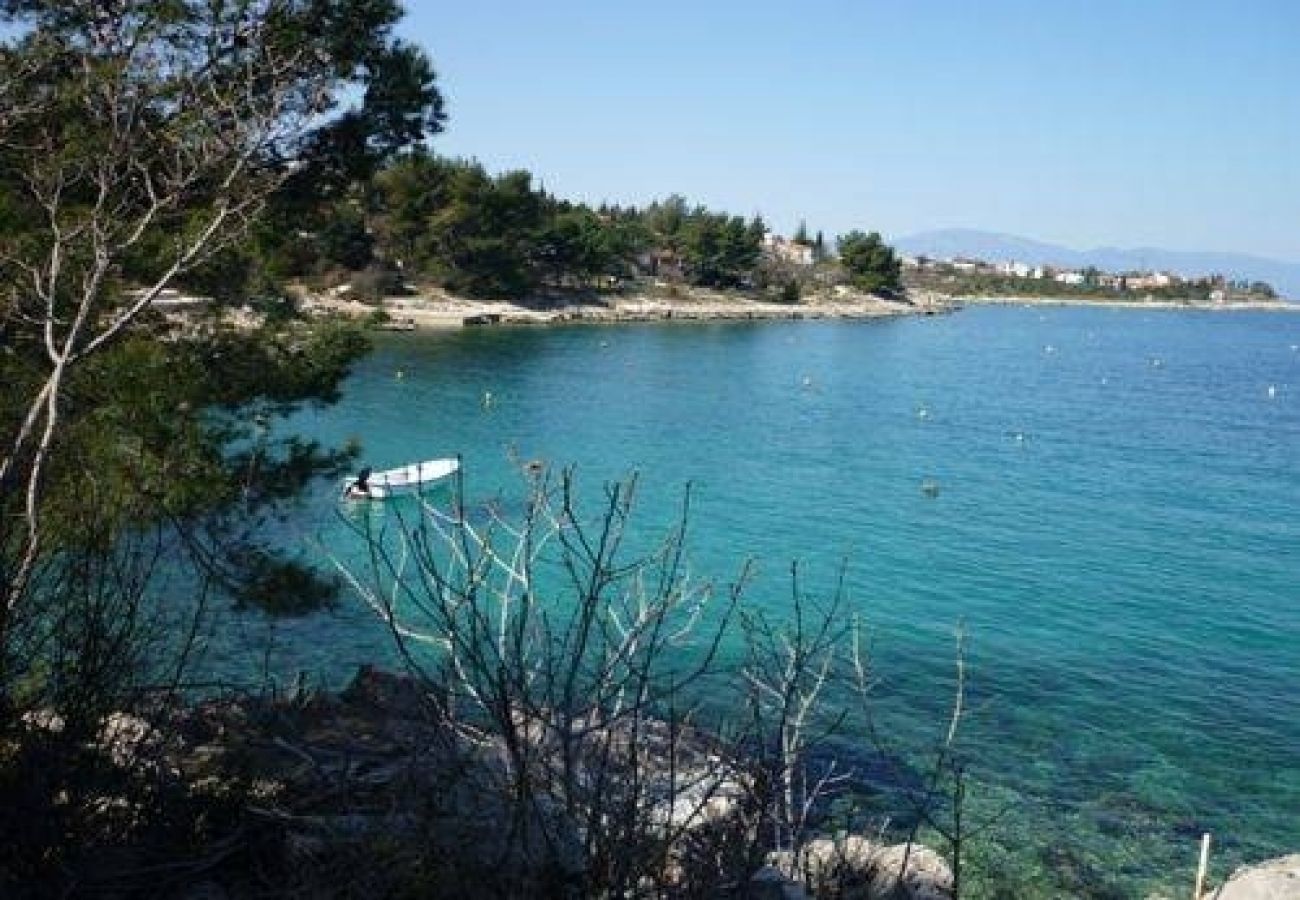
[
  {"x": 1012, "y": 300},
  {"x": 440, "y": 309},
  {"x": 375, "y": 791},
  {"x": 374, "y": 788}
]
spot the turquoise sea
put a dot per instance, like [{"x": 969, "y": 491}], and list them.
[{"x": 1116, "y": 526}]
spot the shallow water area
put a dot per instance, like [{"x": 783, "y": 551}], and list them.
[{"x": 1107, "y": 501}]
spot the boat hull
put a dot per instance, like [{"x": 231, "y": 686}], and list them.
[{"x": 404, "y": 480}]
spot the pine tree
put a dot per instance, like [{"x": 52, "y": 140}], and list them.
[{"x": 871, "y": 263}]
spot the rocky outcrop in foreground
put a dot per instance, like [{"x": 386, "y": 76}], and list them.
[
  {"x": 1276, "y": 879},
  {"x": 851, "y": 867},
  {"x": 381, "y": 790}
]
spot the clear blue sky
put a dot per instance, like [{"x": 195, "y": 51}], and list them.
[{"x": 1169, "y": 123}]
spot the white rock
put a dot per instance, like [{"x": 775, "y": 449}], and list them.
[
  {"x": 854, "y": 867},
  {"x": 1276, "y": 879}
]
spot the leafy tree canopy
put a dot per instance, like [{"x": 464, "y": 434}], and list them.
[
  {"x": 871, "y": 263},
  {"x": 146, "y": 144}
]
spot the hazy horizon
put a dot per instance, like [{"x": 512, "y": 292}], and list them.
[
  {"x": 1162, "y": 124},
  {"x": 1085, "y": 248}
]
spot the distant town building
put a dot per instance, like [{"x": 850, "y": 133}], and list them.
[
  {"x": 787, "y": 251},
  {"x": 1014, "y": 269},
  {"x": 1218, "y": 288},
  {"x": 661, "y": 264},
  {"x": 1146, "y": 281}
]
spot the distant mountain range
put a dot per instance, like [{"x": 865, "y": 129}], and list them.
[{"x": 994, "y": 247}]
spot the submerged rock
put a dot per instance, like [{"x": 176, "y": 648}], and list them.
[{"x": 768, "y": 883}]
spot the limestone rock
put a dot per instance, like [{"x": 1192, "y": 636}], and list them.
[
  {"x": 1276, "y": 879},
  {"x": 854, "y": 867},
  {"x": 127, "y": 738}
]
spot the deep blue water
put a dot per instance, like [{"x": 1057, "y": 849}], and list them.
[{"x": 1117, "y": 527}]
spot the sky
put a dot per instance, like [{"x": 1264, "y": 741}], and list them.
[{"x": 1082, "y": 122}]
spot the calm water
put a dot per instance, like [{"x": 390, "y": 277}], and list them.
[{"x": 1117, "y": 526}]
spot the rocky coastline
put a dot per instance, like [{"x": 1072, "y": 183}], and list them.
[
  {"x": 371, "y": 790},
  {"x": 375, "y": 791},
  {"x": 437, "y": 308},
  {"x": 1108, "y": 302}
]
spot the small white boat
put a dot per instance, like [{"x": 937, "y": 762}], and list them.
[{"x": 410, "y": 479}]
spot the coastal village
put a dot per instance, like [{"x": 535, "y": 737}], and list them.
[
  {"x": 1013, "y": 276},
  {"x": 798, "y": 277},
  {"x": 969, "y": 277},
  {"x": 795, "y": 277}
]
